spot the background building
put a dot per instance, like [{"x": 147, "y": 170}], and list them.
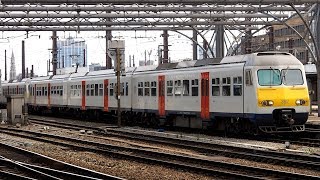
[{"x": 72, "y": 52}]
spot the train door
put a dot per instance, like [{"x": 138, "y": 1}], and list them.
[
  {"x": 105, "y": 96},
  {"x": 161, "y": 100},
  {"x": 205, "y": 95},
  {"x": 248, "y": 93},
  {"x": 83, "y": 102}
]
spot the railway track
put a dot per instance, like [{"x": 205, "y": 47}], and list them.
[
  {"x": 194, "y": 164},
  {"x": 311, "y": 142},
  {"x": 17, "y": 163},
  {"x": 209, "y": 148}
]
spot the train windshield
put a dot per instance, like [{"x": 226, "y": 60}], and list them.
[
  {"x": 269, "y": 77},
  {"x": 292, "y": 77}
]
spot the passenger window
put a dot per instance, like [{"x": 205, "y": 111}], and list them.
[
  {"x": 216, "y": 87},
  {"x": 195, "y": 87},
  {"x": 96, "y": 89},
  {"x": 105, "y": 89},
  {"x": 153, "y": 88},
  {"x": 248, "y": 78},
  {"x": 122, "y": 89},
  {"x": 100, "y": 89},
  {"x": 140, "y": 89},
  {"x": 226, "y": 86},
  {"x": 186, "y": 87},
  {"x": 111, "y": 89},
  {"x": 177, "y": 88},
  {"x": 127, "y": 88},
  {"x": 237, "y": 86},
  {"x": 88, "y": 90},
  {"x": 147, "y": 88},
  {"x": 169, "y": 88}
]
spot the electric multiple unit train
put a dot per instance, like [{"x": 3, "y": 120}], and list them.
[{"x": 265, "y": 91}]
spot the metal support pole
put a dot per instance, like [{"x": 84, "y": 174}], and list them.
[
  {"x": 290, "y": 45},
  {"x": 32, "y": 71},
  {"x": 165, "y": 47},
  {"x": 108, "y": 59},
  {"x": 248, "y": 45},
  {"x": 84, "y": 57},
  {"x": 5, "y": 65},
  {"x": 195, "y": 45},
  {"x": 54, "y": 52},
  {"x": 205, "y": 47},
  {"x": 145, "y": 57},
  {"x": 271, "y": 38},
  {"x": 62, "y": 61},
  {"x": 219, "y": 41},
  {"x": 134, "y": 65},
  {"x": 118, "y": 87},
  {"x": 23, "y": 61}
]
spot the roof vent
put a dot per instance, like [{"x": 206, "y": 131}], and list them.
[{"x": 272, "y": 53}]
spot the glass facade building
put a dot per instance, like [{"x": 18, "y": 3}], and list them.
[{"x": 72, "y": 52}]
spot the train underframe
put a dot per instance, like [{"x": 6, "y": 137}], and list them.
[{"x": 151, "y": 119}]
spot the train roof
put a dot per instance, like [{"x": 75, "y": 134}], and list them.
[
  {"x": 61, "y": 76},
  {"x": 269, "y": 58}
]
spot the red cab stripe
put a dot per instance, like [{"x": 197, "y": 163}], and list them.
[
  {"x": 161, "y": 100},
  {"x": 83, "y": 102},
  {"x": 205, "y": 95}
]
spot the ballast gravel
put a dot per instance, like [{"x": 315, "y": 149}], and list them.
[{"x": 135, "y": 170}]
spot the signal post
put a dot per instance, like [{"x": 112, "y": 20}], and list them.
[{"x": 116, "y": 53}]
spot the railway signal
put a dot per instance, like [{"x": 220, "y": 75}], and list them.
[{"x": 116, "y": 53}]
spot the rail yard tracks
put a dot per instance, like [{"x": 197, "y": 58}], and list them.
[
  {"x": 279, "y": 158},
  {"x": 31, "y": 165},
  {"x": 194, "y": 164},
  {"x": 210, "y": 148}
]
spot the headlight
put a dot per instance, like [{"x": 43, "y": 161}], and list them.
[
  {"x": 300, "y": 102},
  {"x": 267, "y": 103}
]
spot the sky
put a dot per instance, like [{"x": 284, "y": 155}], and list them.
[{"x": 38, "y": 47}]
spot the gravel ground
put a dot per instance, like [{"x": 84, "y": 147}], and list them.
[
  {"x": 129, "y": 169},
  {"x": 226, "y": 141},
  {"x": 109, "y": 165}
]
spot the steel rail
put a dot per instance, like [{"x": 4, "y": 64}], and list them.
[
  {"x": 272, "y": 157},
  {"x": 57, "y": 173},
  {"x": 36, "y": 173},
  {"x": 157, "y": 2},
  {"x": 14, "y": 176},
  {"x": 137, "y": 153},
  {"x": 61, "y": 167}
]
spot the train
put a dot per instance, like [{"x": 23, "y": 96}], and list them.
[{"x": 263, "y": 92}]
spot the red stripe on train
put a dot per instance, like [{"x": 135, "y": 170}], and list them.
[
  {"x": 161, "y": 100},
  {"x": 205, "y": 95},
  {"x": 83, "y": 102}
]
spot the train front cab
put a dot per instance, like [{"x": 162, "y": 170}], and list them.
[{"x": 282, "y": 99}]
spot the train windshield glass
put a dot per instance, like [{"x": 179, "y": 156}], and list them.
[
  {"x": 292, "y": 77},
  {"x": 269, "y": 77}
]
